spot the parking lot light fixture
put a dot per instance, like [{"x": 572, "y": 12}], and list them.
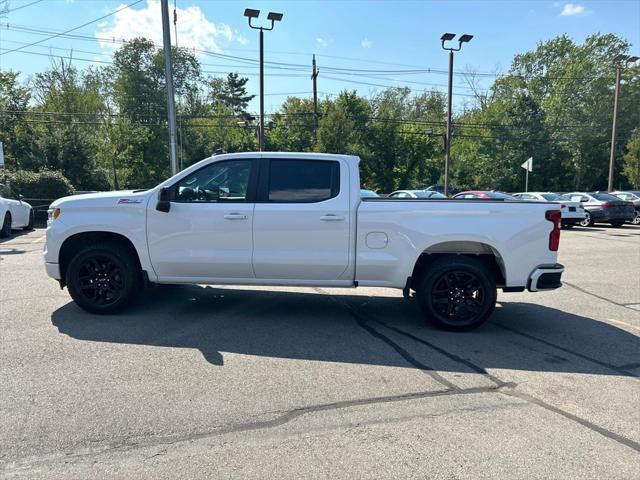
[
  {"x": 447, "y": 37},
  {"x": 274, "y": 17}
]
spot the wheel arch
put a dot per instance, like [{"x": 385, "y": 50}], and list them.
[
  {"x": 483, "y": 252},
  {"x": 79, "y": 240}
]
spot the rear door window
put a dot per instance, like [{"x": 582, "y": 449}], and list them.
[{"x": 302, "y": 181}]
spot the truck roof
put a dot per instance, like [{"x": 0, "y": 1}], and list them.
[{"x": 290, "y": 155}]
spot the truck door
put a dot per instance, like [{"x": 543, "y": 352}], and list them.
[
  {"x": 207, "y": 232},
  {"x": 301, "y": 220}
]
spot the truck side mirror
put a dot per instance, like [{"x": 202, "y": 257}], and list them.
[{"x": 164, "y": 200}]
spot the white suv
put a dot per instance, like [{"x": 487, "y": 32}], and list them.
[
  {"x": 572, "y": 212},
  {"x": 14, "y": 213}
]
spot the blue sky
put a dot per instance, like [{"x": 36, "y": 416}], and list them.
[{"x": 351, "y": 34}]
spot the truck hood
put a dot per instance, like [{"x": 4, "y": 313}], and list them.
[{"x": 121, "y": 198}]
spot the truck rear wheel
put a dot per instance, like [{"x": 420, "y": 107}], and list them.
[
  {"x": 457, "y": 293},
  {"x": 103, "y": 278}
]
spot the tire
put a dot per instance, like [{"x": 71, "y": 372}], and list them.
[
  {"x": 445, "y": 301},
  {"x": 588, "y": 220},
  {"x": 30, "y": 224},
  {"x": 636, "y": 219},
  {"x": 103, "y": 278},
  {"x": 617, "y": 224},
  {"x": 5, "y": 231}
]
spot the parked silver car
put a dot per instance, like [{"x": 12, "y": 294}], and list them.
[
  {"x": 572, "y": 212},
  {"x": 602, "y": 207},
  {"x": 632, "y": 196}
]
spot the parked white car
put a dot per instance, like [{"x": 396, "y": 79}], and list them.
[
  {"x": 298, "y": 219},
  {"x": 14, "y": 212},
  {"x": 572, "y": 212}
]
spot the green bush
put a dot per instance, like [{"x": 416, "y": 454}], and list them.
[{"x": 45, "y": 184}]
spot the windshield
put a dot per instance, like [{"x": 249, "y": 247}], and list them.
[
  {"x": 368, "y": 194},
  {"x": 500, "y": 195},
  {"x": 553, "y": 197},
  {"x": 605, "y": 197}
]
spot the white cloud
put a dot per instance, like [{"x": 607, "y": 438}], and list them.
[
  {"x": 366, "y": 43},
  {"x": 194, "y": 29},
  {"x": 322, "y": 42},
  {"x": 573, "y": 10}
]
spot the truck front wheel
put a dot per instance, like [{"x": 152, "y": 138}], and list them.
[
  {"x": 457, "y": 293},
  {"x": 103, "y": 278}
]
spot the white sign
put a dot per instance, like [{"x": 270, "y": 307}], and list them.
[
  {"x": 528, "y": 165},
  {"x": 1, "y": 156}
]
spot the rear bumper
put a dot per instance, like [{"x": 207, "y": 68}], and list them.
[{"x": 545, "y": 277}]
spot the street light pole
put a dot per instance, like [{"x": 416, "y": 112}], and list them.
[
  {"x": 447, "y": 145},
  {"x": 274, "y": 17},
  {"x": 447, "y": 142},
  {"x": 612, "y": 155},
  {"x": 261, "y": 121}
]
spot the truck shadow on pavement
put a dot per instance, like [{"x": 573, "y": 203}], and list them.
[{"x": 356, "y": 329}]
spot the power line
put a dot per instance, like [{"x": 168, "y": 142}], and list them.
[
  {"x": 298, "y": 66},
  {"x": 21, "y": 7},
  {"x": 73, "y": 29}
]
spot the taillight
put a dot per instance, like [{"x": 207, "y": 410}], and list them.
[
  {"x": 607, "y": 205},
  {"x": 554, "y": 237}
]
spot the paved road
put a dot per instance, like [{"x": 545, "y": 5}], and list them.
[{"x": 230, "y": 382}]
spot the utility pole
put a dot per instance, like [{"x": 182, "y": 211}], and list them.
[
  {"x": 447, "y": 143},
  {"x": 274, "y": 17},
  {"x": 171, "y": 106},
  {"x": 612, "y": 156},
  {"x": 314, "y": 76}
]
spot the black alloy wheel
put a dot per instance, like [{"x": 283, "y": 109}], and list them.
[
  {"x": 457, "y": 293},
  {"x": 100, "y": 279},
  {"x": 103, "y": 278}
]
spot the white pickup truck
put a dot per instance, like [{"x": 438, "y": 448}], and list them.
[{"x": 298, "y": 219}]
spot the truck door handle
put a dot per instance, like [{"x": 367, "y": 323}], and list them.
[
  {"x": 330, "y": 217},
  {"x": 235, "y": 216}
]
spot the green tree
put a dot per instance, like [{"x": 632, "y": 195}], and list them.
[
  {"x": 16, "y": 132},
  {"x": 631, "y": 160},
  {"x": 233, "y": 93}
]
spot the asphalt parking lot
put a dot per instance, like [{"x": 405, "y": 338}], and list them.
[{"x": 231, "y": 382}]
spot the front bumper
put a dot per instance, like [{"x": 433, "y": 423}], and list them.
[
  {"x": 545, "y": 277},
  {"x": 53, "y": 270}
]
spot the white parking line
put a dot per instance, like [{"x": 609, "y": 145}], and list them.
[{"x": 38, "y": 240}]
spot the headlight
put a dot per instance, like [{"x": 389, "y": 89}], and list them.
[{"x": 52, "y": 214}]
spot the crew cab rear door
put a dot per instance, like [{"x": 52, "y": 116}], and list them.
[
  {"x": 301, "y": 220},
  {"x": 207, "y": 232}
]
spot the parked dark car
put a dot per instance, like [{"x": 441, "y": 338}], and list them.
[
  {"x": 602, "y": 207},
  {"x": 632, "y": 196},
  {"x": 483, "y": 195}
]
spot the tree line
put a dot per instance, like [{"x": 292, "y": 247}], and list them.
[{"x": 105, "y": 127}]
